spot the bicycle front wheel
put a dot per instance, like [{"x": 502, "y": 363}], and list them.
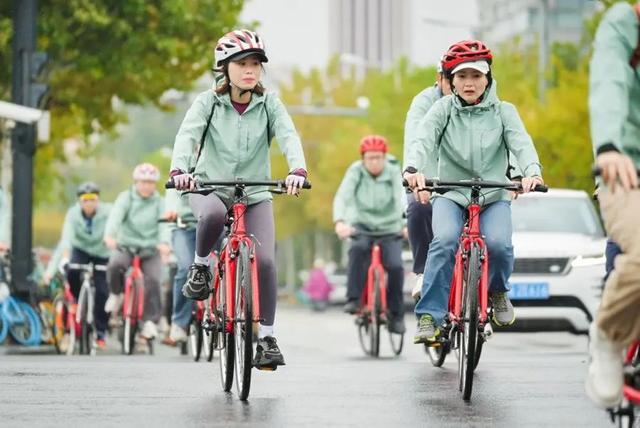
[
  {"x": 376, "y": 315},
  {"x": 225, "y": 340},
  {"x": 130, "y": 326},
  {"x": 469, "y": 327},
  {"x": 86, "y": 329},
  {"x": 243, "y": 325}
]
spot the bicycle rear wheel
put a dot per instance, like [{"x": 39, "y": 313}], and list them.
[
  {"x": 243, "y": 325},
  {"x": 469, "y": 327},
  {"x": 225, "y": 340},
  {"x": 195, "y": 338}
]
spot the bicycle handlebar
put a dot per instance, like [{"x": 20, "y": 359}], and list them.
[
  {"x": 272, "y": 183},
  {"x": 87, "y": 266},
  {"x": 444, "y": 186}
]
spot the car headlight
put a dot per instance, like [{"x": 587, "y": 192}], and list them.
[{"x": 582, "y": 261}]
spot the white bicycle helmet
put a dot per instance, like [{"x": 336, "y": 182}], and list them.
[
  {"x": 239, "y": 44},
  {"x": 146, "y": 172}
]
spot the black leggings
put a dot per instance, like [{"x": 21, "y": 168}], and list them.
[{"x": 211, "y": 213}]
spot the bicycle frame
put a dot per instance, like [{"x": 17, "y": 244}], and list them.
[
  {"x": 133, "y": 280},
  {"x": 630, "y": 393},
  {"x": 471, "y": 235},
  {"x": 368, "y": 292},
  {"x": 227, "y": 260}
]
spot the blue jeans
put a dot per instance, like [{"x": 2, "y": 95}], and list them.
[
  {"x": 420, "y": 233},
  {"x": 448, "y": 220},
  {"x": 611, "y": 252},
  {"x": 184, "y": 247}
]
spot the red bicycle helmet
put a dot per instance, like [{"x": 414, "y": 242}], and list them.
[
  {"x": 466, "y": 51},
  {"x": 373, "y": 143}
]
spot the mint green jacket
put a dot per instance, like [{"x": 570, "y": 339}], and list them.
[
  {"x": 133, "y": 220},
  {"x": 376, "y": 202},
  {"x": 76, "y": 233},
  {"x": 236, "y": 146},
  {"x": 418, "y": 110},
  {"x": 473, "y": 144},
  {"x": 420, "y": 105},
  {"x": 614, "y": 87}
]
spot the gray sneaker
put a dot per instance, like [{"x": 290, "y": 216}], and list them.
[
  {"x": 427, "y": 330},
  {"x": 198, "y": 282},
  {"x": 503, "y": 313}
]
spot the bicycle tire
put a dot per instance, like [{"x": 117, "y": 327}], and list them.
[
  {"x": 376, "y": 316},
  {"x": 129, "y": 325},
  {"x": 397, "y": 342},
  {"x": 364, "y": 330},
  {"x": 85, "y": 328},
  {"x": 243, "y": 325},
  {"x": 4, "y": 327},
  {"x": 195, "y": 339},
  {"x": 437, "y": 354},
  {"x": 208, "y": 345},
  {"x": 28, "y": 331},
  {"x": 470, "y": 322},
  {"x": 225, "y": 341},
  {"x": 45, "y": 313}
]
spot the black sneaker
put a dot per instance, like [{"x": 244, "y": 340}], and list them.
[
  {"x": 268, "y": 355},
  {"x": 396, "y": 324},
  {"x": 198, "y": 280},
  {"x": 351, "y": 307}
]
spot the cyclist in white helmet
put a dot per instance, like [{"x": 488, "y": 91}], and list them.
[
  {"x": 133, "y": 228},
  {"x": 226, "y": 134}
]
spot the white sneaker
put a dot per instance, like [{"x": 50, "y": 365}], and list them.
[
  {"x": 177, "y": 333},
  {"x": 149, "y": 330},
  {"x": 113, "y": 303},
  {"x": 417, "y": 289},
  {"x": 605, "y": 376}
]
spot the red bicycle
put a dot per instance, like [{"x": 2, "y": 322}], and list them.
[
  {"x": 133, "y": 305},
  {"x": 234, "y": 304},
  {"x": 467, "y": 324},
  {"x": 627, "y": 413},
  {"x": 373, "y": 305},
  {"x": 65, "y": 308}
]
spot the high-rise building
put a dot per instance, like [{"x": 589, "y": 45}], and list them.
[
  {"x": 501, "y": 20},
  {"x": 370, "y": 33}
]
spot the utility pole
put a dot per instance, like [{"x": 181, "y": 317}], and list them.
[
  {"x": 543, "y": 55},
  {"x": 27, "y": 65}
]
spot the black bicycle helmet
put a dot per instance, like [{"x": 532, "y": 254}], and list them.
[{"x": 88, "y": 187}]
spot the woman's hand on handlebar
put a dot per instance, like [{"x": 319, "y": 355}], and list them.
[
  {"x": 343, "y": 230},
  {"x": 530, "y": 183},
  {"x": 416, "y": 181},
  {"x": 110, "y": 242},
  {"x": 184, "y": 181}
]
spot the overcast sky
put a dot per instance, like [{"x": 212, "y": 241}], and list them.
[{"x": 297, "y": 31}]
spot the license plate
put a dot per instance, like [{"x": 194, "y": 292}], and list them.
[{"x": 529, "y": 291}]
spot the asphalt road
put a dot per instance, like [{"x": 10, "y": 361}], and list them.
[{"x": 524, "y": 380}]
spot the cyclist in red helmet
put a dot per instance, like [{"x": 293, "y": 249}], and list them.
[
  {"x": 469, "y": 134},
  {"x": 371, "y": 198},
  {"x": 419, "y": 215}
]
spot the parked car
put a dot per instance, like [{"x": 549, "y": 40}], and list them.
[{"x": 559, "y": 246}]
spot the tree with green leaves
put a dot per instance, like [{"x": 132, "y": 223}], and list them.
[{"x": 105, "y": 53}]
